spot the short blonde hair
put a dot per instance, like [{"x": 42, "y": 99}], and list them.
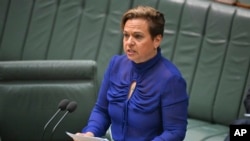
[{"x": 155, "y": 19}]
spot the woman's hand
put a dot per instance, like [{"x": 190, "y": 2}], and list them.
[{"x": 87, "y": 134}]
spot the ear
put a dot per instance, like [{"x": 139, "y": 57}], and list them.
[{"x": 157, "y": 41}]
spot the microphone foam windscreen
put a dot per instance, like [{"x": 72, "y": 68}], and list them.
[
  {"x": 72, "y": 106},
  {"x": 63, "y": 104}
]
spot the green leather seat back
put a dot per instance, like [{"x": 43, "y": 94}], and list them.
[
  {"x": 234, "y": 80},
  {"x": 15, "y": 17},
  {"x": 172, "y": 25},
  {"x": 222, "y": 74},
  {"x": 31, "y": 90},
  {"x": 111, "y": 43},
  {"x": 189, "y": 39},
  {"x": 90, "y": 29},
  {"x": 210, "y": 63}
]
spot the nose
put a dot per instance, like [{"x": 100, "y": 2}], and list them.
[{"x": 130, "y": 41}]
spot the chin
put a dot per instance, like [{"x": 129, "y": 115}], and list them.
[{"x": 130, "y": 58}]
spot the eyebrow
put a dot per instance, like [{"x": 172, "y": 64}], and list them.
[{"x": 136, "y": 32}]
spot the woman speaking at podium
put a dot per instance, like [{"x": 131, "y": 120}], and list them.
[{"x": 143, "y": 95}]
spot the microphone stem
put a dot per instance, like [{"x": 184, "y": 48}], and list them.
[
  {"x": 58, "y": 124},
  {"x": 51, "y": 119},
  {"x": 44, "y": 128}
]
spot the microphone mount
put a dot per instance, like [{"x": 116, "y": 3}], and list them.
[{"x": 70, "y": 108}]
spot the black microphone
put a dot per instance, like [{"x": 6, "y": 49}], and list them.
[
  {"x": 61, "y": 107},
  {"x": 70, "y": 108}
]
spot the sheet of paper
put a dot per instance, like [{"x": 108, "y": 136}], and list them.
[{"x": 82, "y": 138}]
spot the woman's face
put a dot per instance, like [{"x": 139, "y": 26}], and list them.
[{"x": 137, "y": 41}]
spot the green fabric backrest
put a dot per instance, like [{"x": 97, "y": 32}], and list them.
[{"x": 31, "y": 90}]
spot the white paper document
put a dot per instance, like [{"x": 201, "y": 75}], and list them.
[{"x": 82, "y": 138}]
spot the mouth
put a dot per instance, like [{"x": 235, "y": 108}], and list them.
[{"x": 130, "y": 52}]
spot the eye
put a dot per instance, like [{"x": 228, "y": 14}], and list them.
[
  {"x": 138, "y": 36},
  {"x": 125, "y": 35}
]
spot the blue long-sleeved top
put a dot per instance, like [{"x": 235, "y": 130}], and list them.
[{"x": 156, "y": 110}]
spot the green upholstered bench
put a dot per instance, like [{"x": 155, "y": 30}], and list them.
[
  {"x": 208, "y": 41},
  {"x": 31, "y": 90}
]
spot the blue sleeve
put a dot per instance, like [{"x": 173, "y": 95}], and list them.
[
  {"x": 99, "y": 120},
  {"x": 174, "y": 107}
]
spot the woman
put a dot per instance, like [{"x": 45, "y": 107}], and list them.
[{"x": 143, "y": 95}]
